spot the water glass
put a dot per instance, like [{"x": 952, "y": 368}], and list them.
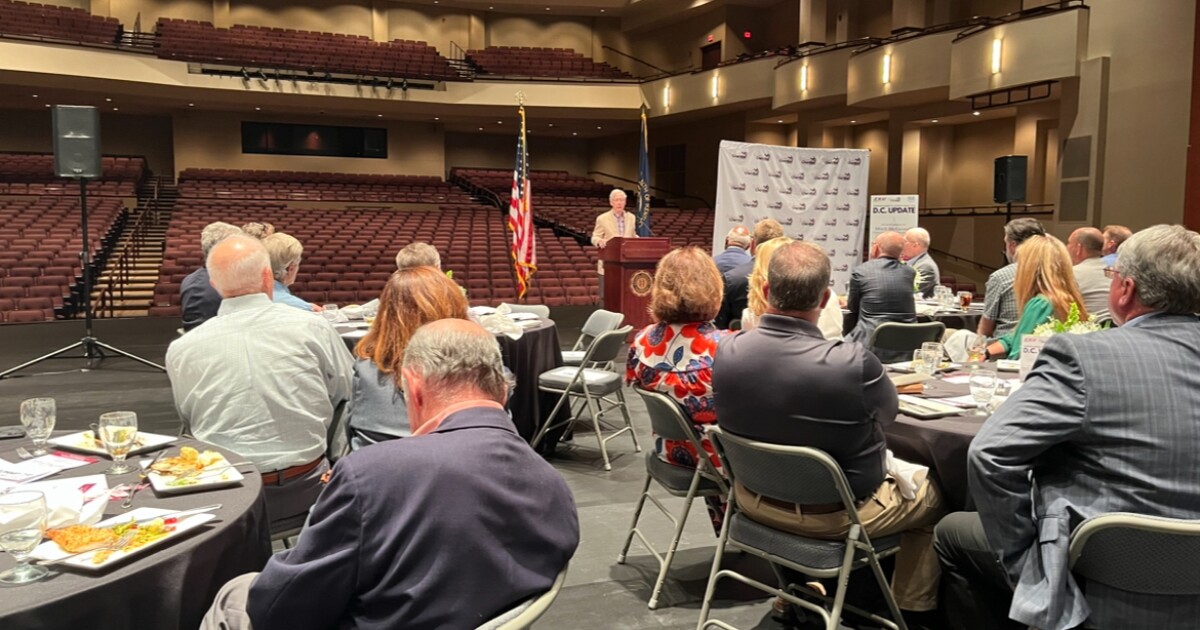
[
  {"x": 983, "y": 386},
  {"x": 22, "y": 525},
  {"x": 37, "y": 416},
  {"x": 118, "y": 430},
  {"x": 920, "y": 365},
  {"x": 934, "y": 353},
  {"x": 976, "y": 349}
]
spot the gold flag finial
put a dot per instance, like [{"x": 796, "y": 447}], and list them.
[{"x": 520, "y": 98}]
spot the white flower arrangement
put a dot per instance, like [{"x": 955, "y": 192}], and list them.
[
  {"x": 1072, "y": 326},
  {"x": 917, "y": 278}
]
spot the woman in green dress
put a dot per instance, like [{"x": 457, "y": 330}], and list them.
[{"x": 1045, "y": 287}]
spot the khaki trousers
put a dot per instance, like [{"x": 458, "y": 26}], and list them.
[{"x": 915, "y": 580}]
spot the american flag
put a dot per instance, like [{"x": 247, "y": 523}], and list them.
[{"x": 520, "y": 217}]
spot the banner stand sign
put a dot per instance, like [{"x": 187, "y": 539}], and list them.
[
  {"x": 892, "y": 213},
  {"x": 818, "y": 195}
]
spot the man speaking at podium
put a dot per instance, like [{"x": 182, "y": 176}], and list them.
[{"x": 616, "y": 222}]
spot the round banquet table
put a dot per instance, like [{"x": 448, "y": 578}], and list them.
[
  {"x": 941, "y": 443},
  {"x": 535, "y": 352},
  {"x": 171, "y": 586}
]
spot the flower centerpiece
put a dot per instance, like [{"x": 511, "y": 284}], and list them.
[{"x": 1072, "y": 325}]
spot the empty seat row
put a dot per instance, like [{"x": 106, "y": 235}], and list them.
[{"x": 68, "y": 24}]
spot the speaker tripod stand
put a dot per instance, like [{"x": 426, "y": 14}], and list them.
[{"x": 93, "y": 348}]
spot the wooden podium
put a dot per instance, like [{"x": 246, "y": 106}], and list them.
[{"x": 629, "y": 275}]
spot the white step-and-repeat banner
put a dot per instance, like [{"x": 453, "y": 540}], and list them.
[{"x": 818, "y": 195}]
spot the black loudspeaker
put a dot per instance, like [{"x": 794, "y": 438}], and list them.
[
  {"x": 76, "y": 141},
  {"x": 1010, "y": 178}
]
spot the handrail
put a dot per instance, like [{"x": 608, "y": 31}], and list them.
[
  {"x": 907, "y": 34},
  {"x": 958, "y": 258},
  {"x": 120, "y": 266},
  {"x": 1024, "y": 209},
  {"x": 1061, "y": 5},
  {"x": 629, "y": 56},
  {"x": 808, "y": 50},
  {"x": 662, "y": 190}
]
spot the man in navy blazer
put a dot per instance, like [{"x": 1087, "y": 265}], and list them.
[
  {"x": 1105, "y": 422},
  {"x": 737, "y": 249},
  {"x": 444, "y": 529},
  {"x": 881, "y": 290}
]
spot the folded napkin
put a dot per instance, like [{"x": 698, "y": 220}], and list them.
[
  {"x": 500, "y": 323},
  {"x": 908, "y": 476},
  {"x": 73, "y": 501}
]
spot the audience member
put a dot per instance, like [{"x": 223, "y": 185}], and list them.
[
  {"x": 412, "y": 298},
  {"x": 198, "y": 300},
  {"x": 1044, "y": 287},
  {"x": 999, "y": 304},
  {"x": 830, "y": 321},
  {"x": 611, "y": 224},
  {"x": 262, "y": 380},
  {"x": 445, "y": 529},
  {"x": 737, "y": 280},
  {"x": 258, "y": 230},
  {"x": 881, "y": 290},
  {"x": 285, "y": 252},
  {"x": 1114, "y": 235},
  {"x": 737, "y": 249},
  {"x": 916, "y": 255},
  {"x": 1105, "y": 422},
  {"x": 1084, "y": 246},
  {"x": 783, "y": 383},
  {"x": 418, "y": 255}
]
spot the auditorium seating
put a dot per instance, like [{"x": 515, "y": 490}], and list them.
[
  {"x": 43, "y": 20},
  {"x": 33, "y": 174},
  {"x": 298, "y": 186},
  {"x": 286, "y": 49},
  {"x": 40, "y": 240},
  {"x": 541, "y": 62}
]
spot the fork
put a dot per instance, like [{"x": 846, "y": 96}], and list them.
[
  {"x": 116, "y": 545},
  {"x": 143, "y": 472}
]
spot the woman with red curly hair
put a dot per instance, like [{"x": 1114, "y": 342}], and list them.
[{"x": 674, "y": 355}]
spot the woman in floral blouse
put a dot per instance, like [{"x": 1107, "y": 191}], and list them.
[{"x": 674, "y": 356}]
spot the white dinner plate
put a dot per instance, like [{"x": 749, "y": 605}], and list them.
[
  {"x": 50, "y": 550},
  {"x": 927, "y": 409},
  {"x": 86, "y": 442},
  {"x": 221, "y": 476}
]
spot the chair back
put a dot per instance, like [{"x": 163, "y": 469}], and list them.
[
  {"x": 337, "y": 437},
  {"x": 793, "y": 474},
  {"x": 540, "y": 310},
  {"x": 607, "y": 346},
  {"x": 524, "y": 614},
  {"x": 1138, "y": 554},
  {"x": 898, "y": 337},
  {"x": 600, "y": 321}
]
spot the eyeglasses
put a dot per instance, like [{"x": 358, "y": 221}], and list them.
[{"x": 1110, "y": 272}]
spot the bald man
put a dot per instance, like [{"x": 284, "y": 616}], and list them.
[
  {"x": 916, "y": 255},
  {"x": 737, "y": 249},
  {"x": 262, "y": 379},
  {"x": 1086, "y": 246},
  {"x": 881, "y": 290},
  {"x": 1114, "y": 235}
]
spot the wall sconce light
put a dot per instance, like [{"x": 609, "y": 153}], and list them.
[
  {"x": 887, "y": 68},
  {"x": 997, "y": 44},
  {"x": 667, "y": 95},
  {"x": 804, "y": 78},
  {"x": 716, "y": 83}
]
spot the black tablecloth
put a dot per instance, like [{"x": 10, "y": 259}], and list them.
[
  {"x": 940, "y": 444},
  {"x": 170, "y": 587},
  {"x": 535, "y": 352}
]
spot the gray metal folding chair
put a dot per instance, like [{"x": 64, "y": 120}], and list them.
[
  {"x": 540, "y": 310},
  {"x": 524, "y": 614},
  {"x": 1138, "y": 554},
  {"x": 601, "y": 390},
  {"x": 337, "y": 437},
  {"x": 600, "y": 321},
  {"x": 703, "y": 480},
  {"x": 804, "y": 476},
  {"x": 893, "y": 341}
]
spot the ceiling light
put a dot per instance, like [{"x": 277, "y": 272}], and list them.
[
  {"x": 547, "y": 8},
  {"x": 35, "y": 96},
  {"x": 574, "y": 133},
  {"x": 258, "y": 109},
  {"x": 934, "y": 121},
  {"x": 602, "y": 10},
  {"x": 116, "y": 109},
  {"x": 974, "y": 113},
  {"x": 853, "y": 121},
  {"x": 108, "y": 100},
  {"x": 598, "y": 127},
  {"x": 490, "y": 8},
  {"x": 47, "y": 104},
  {"x": 191, "y": 104},
  {"x": 481, "y": 128},
  {"x": 551, "y": 124},
  {"x": 436, "y": 118},
  {"x": 379, "y": 115},
  {"x": 499, "y": 122},
  {"x": 779, "y": 121}
]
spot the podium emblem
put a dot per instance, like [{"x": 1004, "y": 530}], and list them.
[{"x": 641, "y": 283}]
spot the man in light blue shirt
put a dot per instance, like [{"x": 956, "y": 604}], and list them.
[{"x": 285, "y": 252}]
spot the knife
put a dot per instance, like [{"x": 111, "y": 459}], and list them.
[{"x": 172, "y": 517}]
